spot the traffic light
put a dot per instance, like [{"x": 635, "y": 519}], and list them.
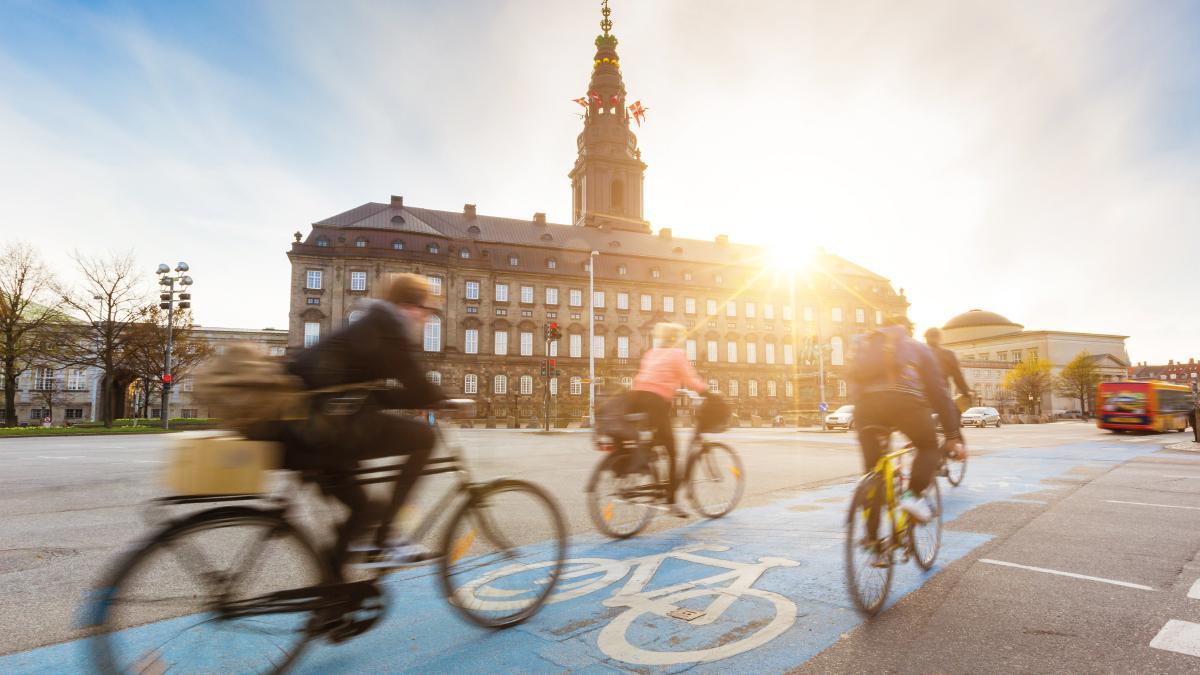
[
  {"x": 164, "y": 305},
  {"x": 166, "y": 378},
  {"x": 552, "y": 331},
  {"x": 164, "y": 296},
  {"x": 185, "y": 305}
]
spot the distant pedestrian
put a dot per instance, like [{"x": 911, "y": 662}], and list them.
[{"x": 1193, "y": 417}]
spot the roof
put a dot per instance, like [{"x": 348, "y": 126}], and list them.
[
  {"x": 1097, "y": 358},
  {"x": 499, "y": 230},
  {"x": 978, "y": 318}
]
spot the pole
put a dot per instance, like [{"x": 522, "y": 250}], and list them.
[
  {"x": 549, "y": 376},
  {"x": 821, "y": 368},
  {"x": 166, "y": 388},
  {"x": 592, "y": 340}
]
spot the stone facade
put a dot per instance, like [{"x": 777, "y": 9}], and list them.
[
  {"x": 183, "y": 404},
  {"x": 66, "y": 395}
]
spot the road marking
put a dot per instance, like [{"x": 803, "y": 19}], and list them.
[
  {"x": 1181, "y": 637},
  {"x": 1165, "y": 506},
  {"x": 61, "y": 457},
  {"x": 1066, "y": 574},
  {"x": 1194, "y": 591}
]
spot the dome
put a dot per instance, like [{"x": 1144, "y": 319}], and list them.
[{"x": 977, "y": 318}]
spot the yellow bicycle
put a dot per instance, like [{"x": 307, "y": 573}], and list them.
[{"x": 869, "y": 554}]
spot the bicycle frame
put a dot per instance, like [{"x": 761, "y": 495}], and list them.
[{"x": 885, "y": 468}]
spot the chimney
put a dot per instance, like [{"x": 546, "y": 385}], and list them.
[
  {"x": 1192, "y": 361},
  {"x": 664, "y": 232},
  {"x": 398, "y": 201},
  {"x": 1170, "y": 362},
  {"x": 539, "y": 218},
  {"x": 722, "y": 239},
  {"x": 469, "y": 211}
]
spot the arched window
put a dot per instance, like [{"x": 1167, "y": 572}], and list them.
[
  {"x": 398, "y": 244},
  {"x": 526, "y": 385},
  {"x": 354, "y": 316},
  {"x": 471, "y": 383},
  {"x": 433, "y": 334},
  {"x": 500, "y": 384},
  {"x": 434, "y": 377},
  {"x": 837, "y": 355}
]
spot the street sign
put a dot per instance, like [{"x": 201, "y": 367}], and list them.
[{"x": 823, "y": 406}]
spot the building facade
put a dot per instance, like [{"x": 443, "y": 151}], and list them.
[
  {"x": 760, "y": 336},
  {"x": 183, "y": 403},
  {"x": 1175, "y": 372}
]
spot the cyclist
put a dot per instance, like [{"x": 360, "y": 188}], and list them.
[
  {"x": 895, "y": 381},
  {"x": 947, "y": 361},
  {"x": 376, "y": 347},
  {"x": 664, "y": 369}
]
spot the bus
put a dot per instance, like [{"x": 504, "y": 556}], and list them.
[{"x": 1143, "y": 406}]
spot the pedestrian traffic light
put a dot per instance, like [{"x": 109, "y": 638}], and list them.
[
  {"x": 552, "y": 331},
  {"x": 166, "y": 378},
  {"x": 552, "y": 362}
]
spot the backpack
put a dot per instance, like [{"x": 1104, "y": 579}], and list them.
[{"x": 245, "y": 388}]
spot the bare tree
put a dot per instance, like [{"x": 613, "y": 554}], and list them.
[
  {"x": 111, "y": 297},
  {"x": 50, "y": 394},
  {"x": 148, "y": 346},
  {"x": 30, "y": 311}
]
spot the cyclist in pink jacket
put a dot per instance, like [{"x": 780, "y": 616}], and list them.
[{"x": 663, "y": 370}]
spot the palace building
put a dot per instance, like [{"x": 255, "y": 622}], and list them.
[{"x": 499, "y": 281}]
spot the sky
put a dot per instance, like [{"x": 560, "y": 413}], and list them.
[{"x": 1036, "y": 159}]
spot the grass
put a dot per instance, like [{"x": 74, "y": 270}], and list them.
[{"x": 122, "y": 426}]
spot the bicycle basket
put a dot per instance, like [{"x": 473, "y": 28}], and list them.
[
  {"x": 220, "y": 465},
  {"x": 612, "y": 428},
  {"x": 713, "y": 415}
]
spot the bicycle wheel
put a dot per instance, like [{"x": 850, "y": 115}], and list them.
[
  {"x": 165, "y": 605},
  {"x": 621, "y": 496},
  {"x": 715, "y": 479},
  {"x": 868, "y": 551},
  {"x": 956, "y": 469},
  {"x": 925, "y": 539},
  {"x": 510, "y": 529}
]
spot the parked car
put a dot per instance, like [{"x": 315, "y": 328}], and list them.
[
  {"x": 981, "y": 417},
  {"x": 842, "y": 418}
]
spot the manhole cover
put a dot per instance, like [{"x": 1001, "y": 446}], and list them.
[{"x": 685, "y": 614}]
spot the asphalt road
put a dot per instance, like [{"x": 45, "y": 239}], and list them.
[{"x": 1040, "y": 503}]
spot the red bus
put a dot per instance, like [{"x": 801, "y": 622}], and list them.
[{"x": 1143, "y": 406}]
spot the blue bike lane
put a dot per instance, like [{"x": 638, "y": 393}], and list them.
[{"x": 769, "y": 581}]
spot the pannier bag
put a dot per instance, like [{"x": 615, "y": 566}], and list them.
[
  {"x": 611, "y": 426},
  {"x": 222, "y": 464},
  {"x": 713, "y": 415},
  {"x": 243, "y": 387}
]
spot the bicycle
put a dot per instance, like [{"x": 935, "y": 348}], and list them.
[
  {"x": 869, "y": 557},
  {"x": 630, "y": 485},
  {"x": 240, "y": 588}
]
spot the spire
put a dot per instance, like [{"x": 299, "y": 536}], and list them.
[{"x": 607, "y": 178}]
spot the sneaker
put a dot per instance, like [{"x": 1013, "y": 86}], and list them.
[
  {"x": 674, "y": 510},
  {"x": 915, "y": 507}
]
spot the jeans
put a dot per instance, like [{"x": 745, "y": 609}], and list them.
[
  {"x": 658, "y": 409},
  {"x": 876, "y": 414}
]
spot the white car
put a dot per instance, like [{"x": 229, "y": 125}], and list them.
[
  {"x": 842, "y": 418},
  {"x": 981, "y": 417}
]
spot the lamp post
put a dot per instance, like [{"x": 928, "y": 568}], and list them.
[
  {"x": 592, "y": 338},
  {"x": 167, "y": 298}
]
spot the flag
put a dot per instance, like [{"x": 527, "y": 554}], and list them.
[
  {"x": 596, "y": 97},
  {"x": 638, "y": 112},
  {"x": 614, "y": 99},
  {"x": 581, "y": 101}
]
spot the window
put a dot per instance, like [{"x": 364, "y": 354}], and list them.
[
  {"x": 398, "y": 245},
  {"x": 655, "y": 273},
  {"x": 472, "y": 290},
  {"x": 712, "y": 351},
  {"x": 808, "y": 313},
  {"x": 622, "y": 270},
  {"x": 627, "y": 382},
  {"x": 690, "y": 349},
  {"x": 788, "y": 313},
  {"x": 554, "y": 386},
  {"x": 769, "y": 312},
  {"x": 689, "y": 305},
  {"x": 323, "y": 242},
  {"x": 434, "y": 377},
  {"x": 860, "y": 315},
  {"x": 576, "y": 386},
  {"x": 355, "y": 315},
  {"x": 687, "y": 276},
  {"x": 361, "y": 242},
  {"x": 189, "y": 384},
  {"x": 313, "y": 301},
  {"x": 750, "y": 310},
  {"x": 733, "y": 388},
  {"x": 836, "y": 314},
  {"x": 526, "y": 385},
  {"x": 772, "y": 392},
  {"x": 470, "y": 383},
  {"x": 501, "y": 292},
  {"x": 598, "y": 346},
  {"x": 647, "y": 302},
  {"x": 358, "y": 281},
  {"x": 751, "y": 352},
  {"x": 576, "y": 345},
  {"x": 471, "y": 341},
  {"x": 575, "y": 298},
  {"x": 789, "y": 356},
  {"x": 719, "y": 279},
  {"x": 789, "y": 389},
  {"x": 710, "y": 307},
  {"x": 513, "y": 261},
  {"x": 75, "y": 380},
  {"x": 313, "y": 280},
  {"x": 464, "y": 253},
  {"x": 878, "y": 317},
  {"x": 500, "y": 384},
  {"x": 526, "y": 343},
  {"x": 731, "y": 308},
  {"x": 622, "y": 300},
  {"x": 836, "y": 357},
  {"x": 622, "y": 346},
  {"x": 433, "y": 334},
  {"x": 551, "y": 296},
  {"x": 731, "y": 351},
  {"x": 43, "y": 379},
  {"x": 39, "y": 413},
  {"x": 433, "y": 248},
  {"x": 669, "y": 304},
  {"x": 553, "y": 348},
  {"x": 435, "y": 284},
  {"x": 312, "y": 333},
  {"x": 500, "y": 342},
  {"x": 77, "y": 413},
  {"x": 714, "y": 385},
  {"x": 551, "y": 264},
  {"x": 527, "y": 294},
  {"x": 841, "y": 389},
  {"x": 598, "y": 299},
  {"x": 752, "y": 388},
  {"x": 769, "y": 353}
]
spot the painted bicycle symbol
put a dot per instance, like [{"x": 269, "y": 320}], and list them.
[{"x": 582, "y": 576}]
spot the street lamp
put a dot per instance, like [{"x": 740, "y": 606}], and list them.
[
  {"x": 592, "y": 338},
  {"x": 168, "y": 302}
]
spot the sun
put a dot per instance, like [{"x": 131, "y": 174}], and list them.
[{"x": 790, "y": 257}]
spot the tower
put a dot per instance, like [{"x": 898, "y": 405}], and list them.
[{"x": 607, "y": 179}]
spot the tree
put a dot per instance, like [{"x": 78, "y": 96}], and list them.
[
  {"x": 147, "y": 347},
  {"x": 110, "y": 298},
  {"x": 50, "y": 394},
  {"x": 30, "y": 311},
  {"x": 1078, "y": 380},
  {"x": 1028, "y": 381}
]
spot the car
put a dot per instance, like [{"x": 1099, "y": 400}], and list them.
[
  {"x": 842, "y": 418},
  {"x": 981, "y": 417}
]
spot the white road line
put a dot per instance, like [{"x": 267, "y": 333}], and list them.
[
  {"x": 1073, "y": 575},
  {"x": 1165, "y": 506},
  {"x": 1181, "y": 637},
  {"x": 1174, "y": 475},
  {"x": 1194, "y": 591},
  {"x": 61, "y": 457}
]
